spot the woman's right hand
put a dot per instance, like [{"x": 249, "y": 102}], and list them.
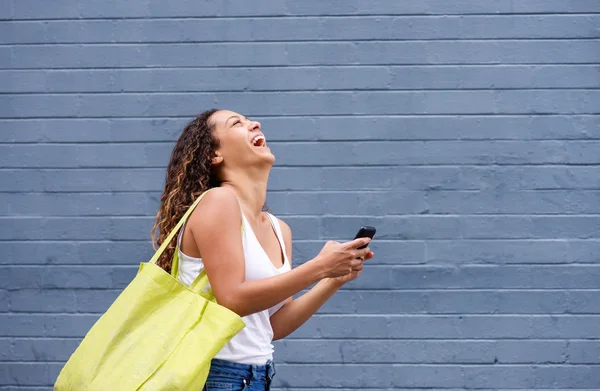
[{"x": 338, "y": 259}]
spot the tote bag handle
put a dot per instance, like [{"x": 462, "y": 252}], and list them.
[{"x": 201, "y": 281}]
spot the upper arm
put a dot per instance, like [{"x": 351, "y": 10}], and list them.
[{"x": 216, "y": 227}]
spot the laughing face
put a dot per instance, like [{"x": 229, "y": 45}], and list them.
[{"x": 241, "y": 142}]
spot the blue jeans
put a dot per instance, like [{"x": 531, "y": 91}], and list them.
[{"x": 231, "y": 376}]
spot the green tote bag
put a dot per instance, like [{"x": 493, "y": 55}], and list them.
[{"x": 159, "y": 334}]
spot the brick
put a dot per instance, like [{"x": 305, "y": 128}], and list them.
[
  {"x": 567, "y": 377},
  {"x": 6, "y": 349},
  {"x": 29, "y": 374},
  {"x": 301, "y": 53},
  {"x": 33, "y": 388},
  {"x": 47, "y": 300},
  {"x": 94, "y": 300},
  {"x": 5, "y": 52},
  {"x": 4, "y": 301},
  {"x": 584, "y": 302},
  {"x": 507, "y": 376},
  {"x": 46, "y": 325},
  {"x": 537, "y": 352},
  {"x": 584, "y": 251},
  {"x": 40, "y": 349},
  {"x": 583, "y": 352},
  {"x": 538, "y": 302}
]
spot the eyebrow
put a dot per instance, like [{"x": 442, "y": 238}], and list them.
[{"x": 235, "y": 116}]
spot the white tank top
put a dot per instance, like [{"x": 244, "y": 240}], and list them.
[{"x": 253, "y": 345}]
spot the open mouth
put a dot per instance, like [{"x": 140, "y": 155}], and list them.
[{"x": 259, "y": 141}]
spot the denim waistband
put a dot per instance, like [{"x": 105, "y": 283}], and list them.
[{"x": 246, "y": 371}]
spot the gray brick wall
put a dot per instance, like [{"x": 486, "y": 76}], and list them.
[{"x": 468, "y": 132}]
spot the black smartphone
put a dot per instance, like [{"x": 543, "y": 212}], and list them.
[{"x": 365, "y": 232}]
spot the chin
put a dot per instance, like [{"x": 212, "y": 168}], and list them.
[
  {"x": 266, "y": 153},
  {"x": 270, "y": 158}
]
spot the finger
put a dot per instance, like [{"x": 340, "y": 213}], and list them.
[
  {"x": 358, "y": 268},
  {"x": 363, "y": 253},
  {"x": 356, "y": 263},
  {"x": 356, "y": 243}
]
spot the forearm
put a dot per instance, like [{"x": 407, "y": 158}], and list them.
[
  {"x": 295, "y": 313},
  {"x": 258, "y": 295}
]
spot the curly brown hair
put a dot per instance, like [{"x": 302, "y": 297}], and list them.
[{"x": 189, "y": 174}]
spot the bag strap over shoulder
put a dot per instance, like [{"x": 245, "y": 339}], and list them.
[{"x": 172, "y": 234}]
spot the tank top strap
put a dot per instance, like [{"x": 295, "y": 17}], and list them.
[
  {"x": 180, "y": 234},
  {"x": 278, "y": 233}
]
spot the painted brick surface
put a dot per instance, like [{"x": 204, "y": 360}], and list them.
[{"x": 468, "y": 132}]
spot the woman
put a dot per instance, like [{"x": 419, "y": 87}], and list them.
[{"x": 249, "y": 269}]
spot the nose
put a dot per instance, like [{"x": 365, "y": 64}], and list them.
[{"x": 254, "y": 125}]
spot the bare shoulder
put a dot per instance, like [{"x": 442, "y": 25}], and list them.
[
  {"x": 218, "y": 205},
  {"x": 285, "y": 229}
]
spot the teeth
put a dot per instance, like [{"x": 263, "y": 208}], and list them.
[{"x": 256, "y": 139}]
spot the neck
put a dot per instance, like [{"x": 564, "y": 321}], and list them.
[{"x": 251, "y": 189}]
